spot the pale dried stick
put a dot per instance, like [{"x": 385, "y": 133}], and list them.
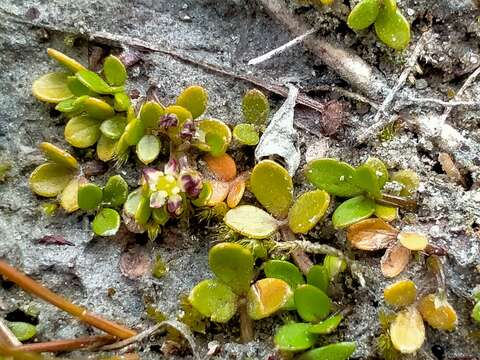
[
  {"x": 6, "y": 336},
  {"x": 445, "y": 103}
]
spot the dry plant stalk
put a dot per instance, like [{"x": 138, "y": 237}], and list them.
[
  {"x": 81, "y": 313},
  {"x": 67, "y": 345}
]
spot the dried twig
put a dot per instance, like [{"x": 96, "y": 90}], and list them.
[
  {"x": 377, "y": 122},
  {"x": 6, "y": 336},
  {"x": 33, "y": 287},
  {"x": 446, "y": 103},
  {"x": 345, "y": 93},
  {"x": 67, "y": 345},
  {"x": 282, "y": 48}
]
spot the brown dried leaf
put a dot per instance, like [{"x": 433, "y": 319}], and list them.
[
  {"x": 371, "y": 234},
  {"x": 394, "y": 260},
  {"x": 220, "y": 191},
  {"x": 223, "y": 167},
  {"x": 134, "y": 263},
  {"x": 236, "y": 192},
  {"x": 448, "y": 165},
  {"x": 94, "y": 168},
  {"x": 54, "y": 240}
]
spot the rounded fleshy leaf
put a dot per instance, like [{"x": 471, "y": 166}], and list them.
[
  {"x": 385, "y": 212},
  {"x": 363, "y": 14},
  {"x": 390, "y": 6},
  {"x": 89, "y": 196},
  {"x": 223, "y": 166},
  {"x": 365, "y": 178},
  {"x": 216, "y": 136},
  {"x": 294, "y": 337},
  {"x": 334, "y": 265},
  {"x": 194, "y": 98},
  {"x": 52, "y": 88},
  {"x": 476, "y": 312},
  {"x": 318, "y": 276},
  {"x": 150, "y": 114},
  {"x": 134, "y": 131},
  {"x": 284, "y": 270},
  {"x": 106, "y": 148},
  {"x": 115, "y": 192},
  {"x": 400, "y": 294},
  {"x": 392, "y": 29},
  {"x": 380, "y": 170},
  {"x": 312, "y": 304},
  {"x": 333, "y": 176},
  {"x": 148, "y": 149},
  {"x": 409, "y": 181},
  {"x": 352, "y": 211},
  {"x": 97, "y": 108},
  {"x": 327, "y": 326},
  {"x": 272, "y": 186},
  {"x": 77, "y": 88},
  {"x": 114, "y": 71},
  {"x": 246, "y": 134},
  {"x": 233, "y": 265},
  {"x": 160, "y": 215},
  {"x": 438, "y": 312},
  {"x": 407, "y": 331},
  {"x": 307, "y": 211},
  {"x": 214, "y": 300},
  {"x": 255, "y": 107},
  {"x": 114, "y": 127},
  {"x": 22, "y": 331},
  {"x": 143, "y": 213},
  {"x": 413, "y": 241},
  {"x": 106, "y": 222},
  {"x": 65, "y": 60},
  {"x": 394, "y": 260},
  {"x": 121, "y": 101},
  {"x": 337, "y": 351},
  {"x": 58, "y": 156},
  {"x": 95, "y": 83},
  {"x": 251, "y": 222},
  {"x": 219, "y": 192},
  {"x": 371, "y": 234},
  {"x": 68, "y": 106},
  {"x": 237, "y": 189},
  {"x": 204, "y": 195},
  {"x": 50, "y": 179},
  {"x": 267, "y": 296},
  {"x": 69, "y": 196},
  {"x": 82, "y": 131}
]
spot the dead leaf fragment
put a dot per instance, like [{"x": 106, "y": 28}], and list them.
[
  {"x": 223, "y": 167},
  {"x": 220, "y": 191},
  {"x": 371, "y": 234},
  {"x": 394, "y": 260},
  {"x": 237, "y": 189},
  {"x": 54, "y": 240},
  {"x": 448, "y": 165},
  {"x": 134, "y": 263}
]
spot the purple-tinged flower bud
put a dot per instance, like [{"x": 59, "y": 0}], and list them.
[
  {"x": 191, "y": 184},
  {"x": 171, "y": 168},
  {"x": 174, "y": 205},
  {"x": 150, "y": 177},
  {"x": 168, "y": 121},
  {"x": 158, "y": 199},
  {"x": 188, "y": 130}
]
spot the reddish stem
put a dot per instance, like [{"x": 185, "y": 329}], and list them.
[{"x": 67, "y": 345}]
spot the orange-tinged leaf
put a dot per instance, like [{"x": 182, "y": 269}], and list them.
[
  {"x": 220, "y": 191},
  {"x": 394, "y": 260},
  {"x": 413, "y": 241},
  {"x": 371, "y": 234},
  {"x": 223, "y": 166},
  {"x": 407, "y": 331},
  {"x": 267, "y": 296},
  {"x": 401, "y": 293},
  {"x": 438, "y": 313},
  {"x": 235, "y": 195}
]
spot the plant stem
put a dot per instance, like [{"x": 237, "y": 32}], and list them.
[
  {"x": 67, "y": 345},
  {"x": 399, "y": 201},
  {"x": 246, "y": 323},
  {"x": 33, "y": 287},
  {"x": 299, "y": 256},
  {"x": 12, "y": 352},
  {"x": 7, "y": 337}
]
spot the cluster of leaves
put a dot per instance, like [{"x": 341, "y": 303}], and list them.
[
  {"x": 283, "y": 289},
  {"x": 390, "y": 25}
]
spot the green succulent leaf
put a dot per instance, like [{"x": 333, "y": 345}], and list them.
[
  {"x": 114, "y": 127},
  {"x": 233, "y": 265},
  {"x": 22, "y": 331},
  {"x": 106, "y": 222},
  {"x": 115, "y": 192},
  {"x": 69, "y": 106},
  {"x": 95, "y": 83},
  {"x": 251, "y": 222},
  {"x": 50, "y": 179},
  {"x": 52, "y": 88},
  {"x": 285, "y": 271},
  {"x": 390, "y": 6},
  {"x": 82, "y": 131},
  {"x": 338, "y": 351},
  {"x": 134, "y": 131},
  {"x": 137, "y": 207},
  {"x": 327, "y": 326},
  {"x": 89, "y": 196},
  {"x": 114, "y": 71},
  {"x": 409, "y": 181},
  {"x": 160, "y": 215},
  {"x": 121, "y": 102},
  {"x": 214, "y": 300},
  {"x": 363, "y": 14},
  {"x": 353, "y": 210},
  {"x": 318, "y": 277},
  {"x": 380, "y": 170},
  {"x": 255, "y": 107},
  {"x": 216, "y": 136},
  {"x": 307, "y": 211},
  {"x": 476, "y": 312},
  {"x": 97, "y": 108},
  {"x": 194, "y": 98},
  {"x": 393, "y": 29},
  {"x": 77, "y": 88},
  {"x": 106, "y": 148},
  {"x": 148, "y": 149},
  {"x": 204, "y": 195},
  {"x": 312, "y": 304},
  {"x": 143, "y": 213},
  {"x": 58, "y": 156},
  {"x": 366, "y": 179},
  {"x": 333, "y": 176},
  {"x": 71, "y": 64},
  {"x": 294, "y": 337},
  {"x": 272, "y": 186},
  {"x": 246, "y": 134},
  {"x": 150, "y": 114},
  {"x": 334, "y": 266}
]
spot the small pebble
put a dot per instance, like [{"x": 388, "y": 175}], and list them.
[{"x": 421, "y": 84}]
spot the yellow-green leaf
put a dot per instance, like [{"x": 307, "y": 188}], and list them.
[
  {"x": 58, "y": 155},
  {"x": 106, "y": 222},
  {"x": 267, "y": 296},
  {"x": 148, "y": 149},
  {"x": 353, "y": 210},
  {"x": 255, "y": 107},
  {"x": 106, "y": 148},
  {"x": 194, "y": 98},
  {"x": 393, "y": 29},
  {"x": 52, "y": 88},
  {"x": 114, "y": 71},
  {"x": 251, "y": 222},
  {"x": 150, "y": 114},
  {"x": 307, "y": 210},
  {"x": 69, "y": 196},
  {"x": 65, "y": 60},
  {"x": 50, "y": 179},
  {"x": 363, "y": 14},
  {"x": 82, "y": 131}
]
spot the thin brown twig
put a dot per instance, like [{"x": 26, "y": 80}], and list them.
[
  {"x": 67, "y": 345},
  {"x": 33, "y": 287}
]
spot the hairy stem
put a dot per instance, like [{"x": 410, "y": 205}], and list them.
[
  {"x": 246, "y": 323},
  {"x": 298, "y": 254},
  {"x": 34, "y": 288}
]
